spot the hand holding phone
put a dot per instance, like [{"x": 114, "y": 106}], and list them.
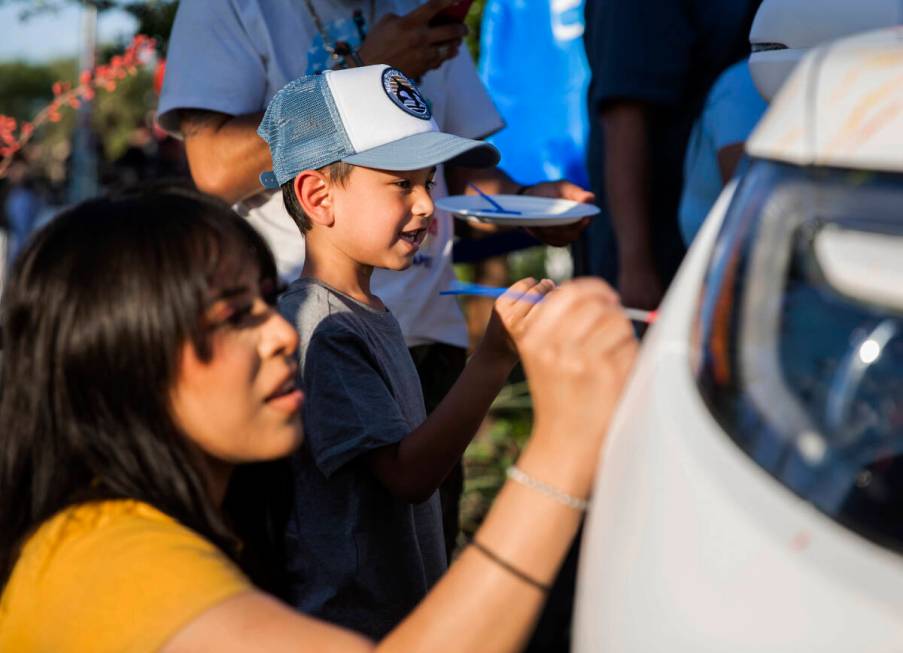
[
  {"x": 412, "y": 43},
  {"x": 452, "y": 14}
]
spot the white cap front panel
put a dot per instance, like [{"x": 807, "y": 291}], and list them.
[{"x": 370, "y": 116}]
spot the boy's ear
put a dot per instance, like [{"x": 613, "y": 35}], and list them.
[{"x": 312, "y": 189}]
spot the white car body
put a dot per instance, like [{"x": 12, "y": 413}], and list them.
[{"x": 690, "y": 545}]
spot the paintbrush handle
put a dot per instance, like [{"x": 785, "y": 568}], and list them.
[
  {"x": 475, "y": 289},
  {"x": 498, "y": 207},
  {"x": 638, "y": 315}
]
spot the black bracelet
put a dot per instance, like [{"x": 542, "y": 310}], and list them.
[
  {"x": 523, "y": 189},
  {"x": 511, "y": 569}
]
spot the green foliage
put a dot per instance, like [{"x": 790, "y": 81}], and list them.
[
  {"x": 117, "y": 113},
  {"x": 155, "y": 19},
  {"x": 529, "y": 262},
  {"x": 473, "y": 20},
  {"x": 495, "y": 448},
  {"x": 25, "y": 88}
]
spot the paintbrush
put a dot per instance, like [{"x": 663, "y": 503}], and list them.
[{"x": 461, "y": 288}]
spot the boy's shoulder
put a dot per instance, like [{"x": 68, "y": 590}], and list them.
[
  {"x": 309, "y": 291},
  {"x": 309, "y": 304},
  {"x": 314, "y": 307}
]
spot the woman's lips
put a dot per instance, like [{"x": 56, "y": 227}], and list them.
[{"x": 289, "y": 402}]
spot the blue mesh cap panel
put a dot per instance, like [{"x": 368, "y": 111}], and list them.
[{"x": 303, "y": 128}]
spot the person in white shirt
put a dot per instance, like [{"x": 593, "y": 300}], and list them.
[{"x": 227, "y": 58}]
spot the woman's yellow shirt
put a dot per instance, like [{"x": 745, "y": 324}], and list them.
[{"x": 111, "y": 576}]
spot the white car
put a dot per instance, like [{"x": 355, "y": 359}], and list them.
[{"x": 751, "y": 491}]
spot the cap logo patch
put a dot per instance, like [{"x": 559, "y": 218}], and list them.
[{"x": 405, "y": 95}]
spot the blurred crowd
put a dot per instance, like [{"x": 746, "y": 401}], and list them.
[
  {"x": 37, "y": 184},
  {"x": 651, "y": 68}
]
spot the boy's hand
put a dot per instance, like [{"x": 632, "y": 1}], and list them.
[{"x": 511, "y": 317}]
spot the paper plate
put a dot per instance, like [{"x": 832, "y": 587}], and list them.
[{"x": 534, "y": 211}]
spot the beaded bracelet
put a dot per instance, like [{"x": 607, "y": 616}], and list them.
[
  {"x": 517, "y": 474},
  {"x": 507, "y": 566}
]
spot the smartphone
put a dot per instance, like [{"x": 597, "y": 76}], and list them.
[{"x": 452, "y": 14}]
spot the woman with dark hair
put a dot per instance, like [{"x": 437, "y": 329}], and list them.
[{"x": 143, "y": 361}]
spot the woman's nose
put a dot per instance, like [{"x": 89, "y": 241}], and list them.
[{"x": 280, "y": 337}]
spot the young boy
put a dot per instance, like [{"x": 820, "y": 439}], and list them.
[{"x": 355, "y": 152}]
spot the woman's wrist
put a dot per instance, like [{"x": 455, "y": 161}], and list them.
[
  {"x": 556, "y": 457},
  {"x": 528, "y": 529}
]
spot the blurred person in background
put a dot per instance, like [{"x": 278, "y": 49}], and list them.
[
  {"x": 652, "y": 65},
  {"x": 782, "y": 32},
  {"x": 22, "y": 207},
  {"x": 715, "y": 150}
]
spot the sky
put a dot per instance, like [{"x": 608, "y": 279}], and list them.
[{"x": 55, "y": 34}]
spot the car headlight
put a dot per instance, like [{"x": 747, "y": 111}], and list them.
[{"x": 798, "y": 348}]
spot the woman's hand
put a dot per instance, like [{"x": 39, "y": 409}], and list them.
[
  {"x": 577, "y": 352},
  {"x": 511, "y": 317}
]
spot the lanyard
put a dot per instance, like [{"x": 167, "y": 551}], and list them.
[{"x": 341, "y": 49}]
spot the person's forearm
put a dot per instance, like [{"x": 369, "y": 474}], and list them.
[
  {"x": 627, "y": 175},
  {"x": 526, "y": 529},
  {"x": 225, "y": 154},
  {"x": 414, "y": 468}
]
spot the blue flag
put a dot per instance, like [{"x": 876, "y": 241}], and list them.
[{"x": 533, "y": 63}]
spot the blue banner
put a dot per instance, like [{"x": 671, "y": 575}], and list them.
[{"x": 533, "y": 63}]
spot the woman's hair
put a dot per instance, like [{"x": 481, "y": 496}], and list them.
[{"x": 94, "y": 317}]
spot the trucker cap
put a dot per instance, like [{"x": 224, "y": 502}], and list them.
[{"x": 371, "y": 116}]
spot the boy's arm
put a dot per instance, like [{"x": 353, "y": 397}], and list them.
[
  {"x": 351, "y": 415},
  {"x": 413, "y": 468}
]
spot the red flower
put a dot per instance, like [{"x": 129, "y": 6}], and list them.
[{"x": 104, "y": 76}]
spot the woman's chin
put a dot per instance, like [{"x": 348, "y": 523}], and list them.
[
  {"x": 296, "y": 440},
  {"x": 283, "y": 444}
]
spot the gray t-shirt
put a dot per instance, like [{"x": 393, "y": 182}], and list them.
[{"x": 357, "y": 555}]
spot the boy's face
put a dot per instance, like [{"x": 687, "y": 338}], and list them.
[{"x": 382, "y": 217}]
